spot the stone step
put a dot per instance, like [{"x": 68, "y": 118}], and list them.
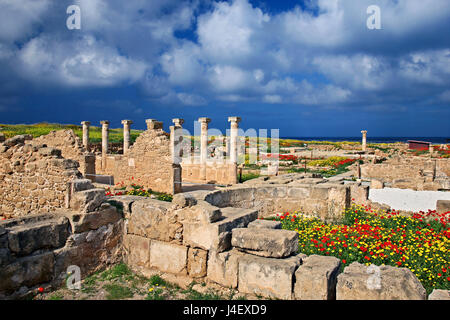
[{"x": 265, "y": 242}]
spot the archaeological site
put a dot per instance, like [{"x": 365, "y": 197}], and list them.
[{"x": 194, "y": 208}]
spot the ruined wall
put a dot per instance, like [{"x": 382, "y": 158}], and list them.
[
  {"x": 415, "y": 173},
  {"x": 228, "y": 247},
  {"x": 217, "y": 173},
  {"x": 148, "y": 163},
  {"x": 33, "y": 178},
  {"x": 71, "y": 148},
  {"x": 35, "y": 251}
]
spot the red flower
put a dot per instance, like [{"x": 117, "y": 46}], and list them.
[
  {"x": 399, "y": 263},
  {"x": 41, "y": 289},
  {"x": 344, "y": 261}
]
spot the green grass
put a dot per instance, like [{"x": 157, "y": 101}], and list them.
[
  {"x": 56, "y": 296},
  {"x": 118, "y": 292},
  {"x": 248, "y": 176},
  {"x": 118, "y": 271},
  {"x": 40, "y": 129}
]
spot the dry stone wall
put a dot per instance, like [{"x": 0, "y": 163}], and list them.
[
  {"x": 33, "y": 177},
  {"x": 229, "y": 247},
  {"x": 415, "y": 173},
  {"x": 217, "y": 173},
  {"x": 147, "y": 163},
  {"x": 71, "y": 148},
  {"x": 36, "y": 251}
]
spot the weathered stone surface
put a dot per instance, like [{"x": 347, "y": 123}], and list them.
[
  {"x": 223, "y": 267},
  {"x": 268, "y": 277},
  {"x": 439, "y": 295},
  {"x": 81, "y": 185},
  {"x": 136, "y": 251},
  {"x": 316, "y": 278},
  {"x": 196, "y": 264},
  {"x": 48, "y": 234},
  {"x": 82, "y": 222},
  {"x": 28, "y": 271},
  {"x": 443, "y": 206},
  {"x": 20, "y": 139},
  {"x": 91, "y": 250},
  {"x": 87, "y": 200},
  {"x": 376, "y": 184},
  {"x": 216, "y": 236},
  {"x": 203, "y": 212},
  {"x": 183, "y": 200},
  {"x": 168, "y": 257},
  {"x": 155, "y": 220},
  {"x": 124, "y": 203},
  {"x": 264, "y": 224},
  {"x": 265, "y": 242},
  {"x": 358, "y": 282}
]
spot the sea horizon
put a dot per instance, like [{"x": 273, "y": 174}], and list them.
[{"x": 434, "y": 140}]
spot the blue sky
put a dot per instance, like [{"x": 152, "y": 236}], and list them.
[{"x": 308, "y": 68}]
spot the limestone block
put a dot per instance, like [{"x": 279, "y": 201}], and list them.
[
  {"x": 20, "y": 139},
  {"x": 153, "y": 219},
  {"x": 123, "y": 204},
  {"x": 196, "y": 265},
  {"x": 81, "y": 185},
  {"x": 204, "y": 212},
  {"x": 439, "y": 295},
  {"x": 223, "y": 267},
  {"x": 168, "y": 257},
  {"x": 376, "y": 184},
  {"x": 26, "y": 238},
  {"x": 265, "y": 224},
  {"x": 358, "y": 282},
  {"x": 137, "y": 251},
  {"x": 298, "y": 193},
  {"x": 183, "y": 200},
  {"x": 443, "y": 206},
  {"x": 28, "y": 271},
  {"x": 265, "y": 242},
  {"x": 216, "y": 236},
  {"x": 268, "y": 277},
  {"x": 82, "y": 222},
  {"x": 316, "y": 278},
  {"x": 319, "y": 192},
  {"x": 91, "y": 250},
  {"x": 87, "y": 200}
]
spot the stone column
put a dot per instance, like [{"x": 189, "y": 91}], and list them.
[
  {"x": 203, "y": 146},
  {"x": 153, "y": 124},
  {"x": 86, "y": 125},
  {"x": 364, "y": 140},
  {"x": 234, "y": 138},
  {"x": 175, "y": 139},
  {"x": 126, "y": 135},
  {"x": 105, "y": 140}
]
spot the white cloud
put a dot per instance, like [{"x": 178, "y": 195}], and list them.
[{"x": 85, "y": 62}]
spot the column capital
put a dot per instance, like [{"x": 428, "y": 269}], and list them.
[
  {"x": 234, "y": 119},
  {"x": 178, "y": 122},
  {"x": 153, "y": 124},
  {"x": 363, "y": 131},
  {"x": 104, "y": 122},
  {"x": 204, "y": 120},
  {"x": 86, "y": 123},
  {"x": 127, "y": 122}
]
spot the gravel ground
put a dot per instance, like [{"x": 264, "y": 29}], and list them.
[{"x": 408, "y": 200}]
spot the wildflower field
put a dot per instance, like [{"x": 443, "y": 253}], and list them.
[
  {"x": 420, "y": 242},
  {"x": 137, "y": 190}
]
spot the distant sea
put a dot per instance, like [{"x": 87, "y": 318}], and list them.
[{"x": 434, "y": 140}]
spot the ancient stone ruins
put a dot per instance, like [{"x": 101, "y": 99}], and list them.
[{"x": 58, "y": 216}]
